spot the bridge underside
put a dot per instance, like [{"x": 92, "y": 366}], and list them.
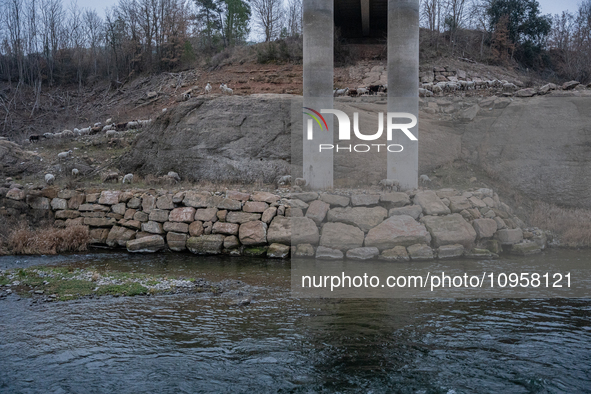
[
  {"x": 396, "y": 22},
  {"x": 358, "y": 19}
]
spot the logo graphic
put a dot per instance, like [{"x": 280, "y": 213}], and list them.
[
  {"x": 345, "y": 130},
  {"x": 310, "y": 129}
]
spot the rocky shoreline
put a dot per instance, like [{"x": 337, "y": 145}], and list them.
[
  {"x": 47, "y": 284},
  {"x": 397, "y": 226}
]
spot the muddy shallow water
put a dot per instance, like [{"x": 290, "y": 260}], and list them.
[{"x": 201, "y": 343}]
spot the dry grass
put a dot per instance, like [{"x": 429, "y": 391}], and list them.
[
  {"x": 48, "y": 240},
  {"x": 572, "y": 226}
]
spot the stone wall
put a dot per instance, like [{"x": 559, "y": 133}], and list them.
[{"x": 419, "y": 224}]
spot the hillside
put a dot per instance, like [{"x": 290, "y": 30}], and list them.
[{"x": 145, "y": 96}]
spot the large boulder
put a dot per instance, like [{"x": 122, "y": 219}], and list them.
[
  {"x": 414, "y": 211},
  {"x": 253, "y": 233},
  {"x": 317, "y": 211},
  {"x": 450, "y": 251},
  {"x": 206, "y": 214},
  {"x": 148, "y": 227},
  {"x": 458, "y": 203},
  {"x": 335, "y": 200},
  {"x": 99, "y": 236},
  {"x": 527, "y": 92},
  {"x": 176, "y": 241},
  {"x": 255, "y": 206},
  {"x": 510, "y": 236},
  {"x": 485, "y": 228},
  {"x": 236, "y": 195},
  {"x": 119, "y": 209},
  {"x": 324, "y": 253},
  {"x": 449, "y": 230},
  {"x": 397, "y": 253},
  {"x": 38, "y": 202},
  {"x": 109, "y": 197},
  {"x": 304, "y": 250},
  {"x": 304, "y": 231},
  {"x": 197, "y": 199},
  {"x": 226, "y": 228},
  {"x": 364, "y": 218},
  {"x": 175, "y": 227},
  {"x": 395, "y": 199},
  {"x": 570, "y": 85},
  {"x": 397, "y": 230},
  {"x": 293, "y": 231},
  {"x": 363, "y": 253},
  {"x": 226, "y": 203},
  {"x": 278, "y": 251},
  {"x": 59, "y": 203},
  {"x": 16, "y": 161},
  {"x": 184, "y": 214},
  {"x": 196, "y": 229},
  {"x": 231, "y": 243},
  {"x": 118, "y": 236},
  {"x": 265, "y": 197},
  {"x": 526, "y": 248},
  {"x": 431, "y": 203},
  {"x": 341, "y": 236},
  {"x": 148, "y": 202},
  {"x": 208, "y": 136},
  {"x": 158, "y": 215},
  {"x": 242, "y": 217},
  {"x": 206, "y": 244},
  {"x": 420, "y": 252},
  {"x": 295, "y": 203},
  {"x": 269, "y": 214},
  {"x": 364, "y": 199},
  {"x": 305, "y": 196},
  {"x": 16, "y": 194},
  {"x": 149, "y": 244},
  {"x": 165, "y": 202},
  {"x": 280, "y": 230}
]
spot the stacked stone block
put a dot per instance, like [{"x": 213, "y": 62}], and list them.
[{"x": 396, "y": 226}]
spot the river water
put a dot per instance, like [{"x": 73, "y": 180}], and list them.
[{"x": 201, "y": 343}]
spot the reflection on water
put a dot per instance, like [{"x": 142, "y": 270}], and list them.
[{"x": 187, "y": 343}]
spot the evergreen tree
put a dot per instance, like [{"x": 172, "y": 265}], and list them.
[
  {"x": 236, "y": 18},
  {"x": 208, "y": 10},
  {"x": 526, "y": 27}
]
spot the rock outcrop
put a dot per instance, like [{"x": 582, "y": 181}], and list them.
[
  {"x": 245, "y": 138},
  {"x": 14, "y": 160},
  {"x": 538, "y": 145}
]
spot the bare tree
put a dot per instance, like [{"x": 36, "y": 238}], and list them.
[
  {"x": 94, "y": 36},
  {"x": 570, "y": 40},
  {"x": 294, "y": 17},
  {"x": 52, "y": 16},
  {"x": 454, "y": 19},
  {"x": 268, "y": 15},
  {"x": 14, "y": 26},
  {"x": 41, "y": 42}
]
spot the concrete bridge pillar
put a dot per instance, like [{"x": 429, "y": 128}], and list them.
[
  {"x": 403, "y": 86},
  {"x": 318, "y": 29}
]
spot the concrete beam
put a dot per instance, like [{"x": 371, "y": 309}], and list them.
[
  {"x": 318, "y": 89},
  {"x": 365, "y": 17},
  {"x": 403, "y": 86}
]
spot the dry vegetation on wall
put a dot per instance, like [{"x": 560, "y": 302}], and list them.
[
  {"x": 571, "y": 226},
  {"x": 48, "y": 240}
]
